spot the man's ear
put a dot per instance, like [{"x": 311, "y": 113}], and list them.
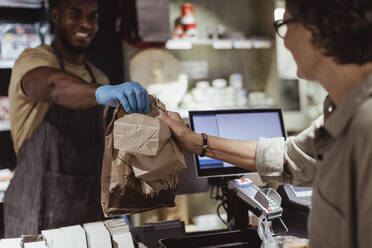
[{"x": 54, "y": 15}]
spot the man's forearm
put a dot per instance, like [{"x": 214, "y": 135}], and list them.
[
  {"x": 74, "y": 94},
  {"x": 237, "y": 152},
  {"x": 51, "y": 85}
]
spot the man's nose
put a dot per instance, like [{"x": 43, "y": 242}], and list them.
[{"x": 85, "y": 22}]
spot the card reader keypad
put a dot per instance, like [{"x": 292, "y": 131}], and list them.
[
  {"x": 267, "y": 201},
  {"x": 272, "y": 206}
]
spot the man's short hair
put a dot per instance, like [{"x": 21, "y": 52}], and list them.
[
  {"x": 56, "y": 4},
  {"x": 342, "y": 28}
]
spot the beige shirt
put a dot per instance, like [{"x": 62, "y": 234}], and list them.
[
  {"x": 27, "y": 114},
  {"x": 336, "y": 159}
]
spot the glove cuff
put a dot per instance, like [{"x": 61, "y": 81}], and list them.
[{"x": 98, "y": 92}]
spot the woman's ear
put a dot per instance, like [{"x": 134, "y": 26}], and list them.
[{"x": 54, "y": 15}]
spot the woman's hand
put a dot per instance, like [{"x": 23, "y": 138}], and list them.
[
  {"x": 241, "y": 153},
  {"x": 187, "y": 139}
]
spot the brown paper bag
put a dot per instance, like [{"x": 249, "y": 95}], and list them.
[
  {"x": 156, "y": 167},
  {"x": 154, "y": 134},
  {"x": 121, "y": 191}
]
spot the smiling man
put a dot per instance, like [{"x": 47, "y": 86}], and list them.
[
  {"x": 56, "y": 111},
  {"x": 73, "y": 36}
]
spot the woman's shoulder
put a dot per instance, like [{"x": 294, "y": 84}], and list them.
[{"x": 361, "y": 122}]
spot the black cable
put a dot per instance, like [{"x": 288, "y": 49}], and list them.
[
  {"x": 216, "y": 192},
  {"x": 219, "y": 215},
  {"x": 220, "y": 191}
]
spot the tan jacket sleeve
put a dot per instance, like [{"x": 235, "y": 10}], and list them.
[{"x": 291, "y": 161}]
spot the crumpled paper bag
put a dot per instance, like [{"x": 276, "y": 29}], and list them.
[
  {"x": 140, "y": 134},
  {"x": 124, "y": 193},
  {"x": 156, "y": 167},
  {"x": 145, "y": 143}
]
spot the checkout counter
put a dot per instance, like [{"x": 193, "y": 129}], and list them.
[
  {"x": 285, "y": 209},
  {"x": 113, "y": 233},
  {"x": 281, "y": 212}
]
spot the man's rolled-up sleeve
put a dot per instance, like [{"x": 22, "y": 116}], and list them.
[{"x": 288, "y": 161}]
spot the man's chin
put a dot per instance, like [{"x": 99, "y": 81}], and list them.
[
  {"x": 83, "y": 49},
  {"x": 80, "y": 49}
]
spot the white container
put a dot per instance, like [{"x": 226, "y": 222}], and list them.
[
  {"x": 77, "y": 234},
  {"x": 97, "y": 235},
  {"x": 57, "y": 239},
  {"x": 10, "y": 243},
  {"x": 120, "y": 233},
  {"x": 198, "y": 94},
  {"x": 202, "y": 85},
  {"x": 219, "y": 83},
  {"x": 236, "y": 80}
]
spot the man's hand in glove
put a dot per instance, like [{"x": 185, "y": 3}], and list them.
[{"x": 131, "y": 95}]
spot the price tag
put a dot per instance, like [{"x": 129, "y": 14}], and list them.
[
  {"x": 261, "y": 44},
  {"x": 243, "y": 44},
  {"x": 222, "y": 44}
]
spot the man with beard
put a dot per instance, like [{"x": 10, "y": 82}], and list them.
[{"x": 56, "y": 99}]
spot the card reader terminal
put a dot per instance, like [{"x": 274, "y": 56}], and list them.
[
  {"x": 296, "y": 204},
  {"x": 298, "y": 198},
  {"x": 266, "y": 202}
]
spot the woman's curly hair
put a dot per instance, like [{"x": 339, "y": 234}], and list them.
[{"x": 342, "y": 28}]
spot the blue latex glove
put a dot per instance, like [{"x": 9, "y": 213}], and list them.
[{"x": 131, "y": 95}]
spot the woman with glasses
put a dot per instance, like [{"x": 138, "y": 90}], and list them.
[{"x": 331, "y": 42}]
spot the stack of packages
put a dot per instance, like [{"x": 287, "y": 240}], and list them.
[{"x": 140, "y": 163}]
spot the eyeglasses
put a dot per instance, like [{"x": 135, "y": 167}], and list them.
[{"x": 280, "y": 27}]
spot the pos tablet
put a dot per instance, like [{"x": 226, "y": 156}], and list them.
[{"x": 239, "y": 124}]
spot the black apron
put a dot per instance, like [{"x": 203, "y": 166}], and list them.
[{"x": 57, "y": 178}]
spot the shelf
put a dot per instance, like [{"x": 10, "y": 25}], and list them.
[
  {"x": 187, "y": 44},
  {"x": 20, "y": 4},
  {"x": 6, "y": 64},
  {"x": 4, "y": 125}
]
